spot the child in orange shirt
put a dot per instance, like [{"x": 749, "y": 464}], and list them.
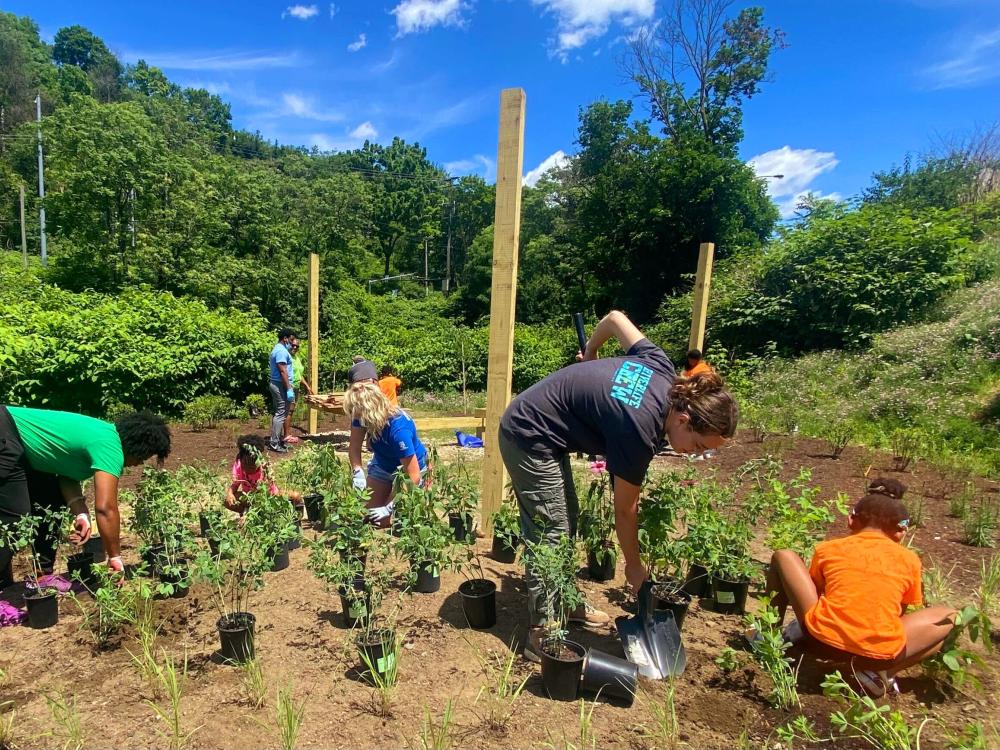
[
  {"x": 851, "y": 602},
  {"x": 390, "y": 385}
]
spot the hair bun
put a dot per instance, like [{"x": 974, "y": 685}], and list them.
[
  {"x": 889, "y": 487},
  {"x": 693, "y": 388}
]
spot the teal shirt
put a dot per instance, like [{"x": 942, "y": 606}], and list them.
[{"x": 67, "y": 444}]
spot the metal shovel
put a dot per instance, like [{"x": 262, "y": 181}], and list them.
[{"x": 651, "y": 639}]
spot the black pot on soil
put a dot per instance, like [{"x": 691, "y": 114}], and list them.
[
  {"x": 280, "y": 559},
  {"x": 669, "y": 596},
  {"x": 698, "y": 581},
  {"x": 461, "y": 525},
  {"x": 81, "y": 565},
  {"x": 377, "y": 649},
  {"x": 504, "y": 548},
  {"x": 479, "y": 600},
  {"x": 428, "y": 578},
  {"x": 95, "y": 546},
  {"x": 175, "y": 580},
  {"x": 151, "y": 557},
  {"x": 561, "y": 675},
  {"x": 610, "y": 676},
  {"x": 355, "y": 608},
  {"x": 603, "y": 569},
  {"x": 43, "y": 608},
  {"x": 314, "y": 508},
  {"x": 236, "y": 632},
  {"x": 296, "y": 541},
  {"x": 729, "y": 597},
  {"x": 205, "y": 525}
]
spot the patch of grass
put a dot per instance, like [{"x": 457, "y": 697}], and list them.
[
  {"x": 502, "y": 689},
  {"x": 69, "y": 725}
]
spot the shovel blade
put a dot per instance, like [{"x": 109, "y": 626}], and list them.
[{"x": 651, "y": 639}]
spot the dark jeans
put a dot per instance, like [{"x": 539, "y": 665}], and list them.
[
  {"x": 281, "y": 411},
  {"x": 22, "y": 491}
]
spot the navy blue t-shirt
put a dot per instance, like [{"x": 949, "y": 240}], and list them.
[
  {"x": 614, "y": 407},
  {"x": 397, "y": 441}
]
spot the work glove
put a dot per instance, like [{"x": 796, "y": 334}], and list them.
[
  {"x": 377, "y": 515},
  {"x": 290, "y": 394},
  {"x": 359, "y": 480},
  {"x": 81, "y": 529},
  {"x": 115, "y": 565}
]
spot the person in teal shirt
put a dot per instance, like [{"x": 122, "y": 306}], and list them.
[{"x": 44, "y": 455}]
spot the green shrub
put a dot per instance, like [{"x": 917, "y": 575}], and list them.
[{"x": 205, "y": 412}]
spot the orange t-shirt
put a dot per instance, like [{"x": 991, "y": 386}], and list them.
[
  {"x": 389, "y": 386},
  {"x": 701, "y": 367},
  {"x": 864, "y": 580}
]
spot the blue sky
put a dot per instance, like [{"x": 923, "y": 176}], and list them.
[{"x": 860, "y": 84}]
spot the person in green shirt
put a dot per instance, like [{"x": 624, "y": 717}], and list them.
[
  {"x": 298, "y": 375},
  {"x": 44, "y": 455}
]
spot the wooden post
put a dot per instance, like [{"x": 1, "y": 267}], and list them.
[
  {"x": 314, "y": 336},
  {"x": 703, "y": 282},
  {"x": 24, "y": 236},
  {"x": 506, "y": 235}
]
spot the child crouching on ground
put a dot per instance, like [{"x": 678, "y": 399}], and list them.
[
  {"x": 248, "y": 472},
  {"x": 851, "y": 602}
]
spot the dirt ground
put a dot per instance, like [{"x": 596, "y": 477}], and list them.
[{"x": 303, "y": 643}]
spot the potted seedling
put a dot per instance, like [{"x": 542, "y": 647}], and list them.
[
  {"x": 377, "y": 642},
  {"x": 554, "y": 567},
  {"x": 79, "y": 562},
  {"x": 425, "y": 541},
  {"x": 506, "y": 532},
  {"x": 313, "y": 470},
  {"x": 479, "y": 596},
  {"x": 459, "y": 494},
  {"x": 42, "y": 601},
  {"x": 602, "y": 555},
  {"x": 733, "y": 569}
]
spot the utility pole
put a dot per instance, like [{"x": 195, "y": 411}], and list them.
[
  {"x": 447, "y": 259},
  {"x": 41, "y": 182},
  {"x": 426, "y": 269},
  {"x": 24, "y": 236}
]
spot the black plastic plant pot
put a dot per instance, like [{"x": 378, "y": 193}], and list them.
[
  {"x": 43, "y": 608},
  {"x": 81, "y": 567},
  {"x": 729, "y": 597},
  {"x": 236, "y": 632},
  {"x": 314, "y": 507},
  {"x": 602, "y": 569},
  {"x": 205, "y": 524},
  {"x": 213, "y": 545},
  {"x": 356, "y": 605},
  {"x": 428, "y": 578},
  {"x": 280, "y": 559},
  {"x": 151, "y": 556},
  {"x": 610, "y": 676},
  {"x": 671, "y": 597},
  {"x": 479, "y": 600},
  {"x": 95, "y": 546},
  {"x": 504, "y": 548},
  {"x": 461, "y": 525},
  {"x": 698, "y": 581},
  {"x": 296, "y": 541},
  {"x": 378, "y": 649},
  {"x": 175, "y": 580},
  {"x": 561, "y": 674}
]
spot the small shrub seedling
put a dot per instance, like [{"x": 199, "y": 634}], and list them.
[
  {"x": 599, "y": 513},
  {"x": 863, "y": 719},
  {"x": 952, "y": 666},
  {"x": 554, "y": 567},
  {"x": 769, "y": 649},
  {"x": 905, "y": 446},
  {"x": 980, "y": 523},
  {"x": 838, "y": 435},
  {"x": 67, "y": 718},
  {"x": 205, "y": 412},
  {"x": 425, "y": 538}
]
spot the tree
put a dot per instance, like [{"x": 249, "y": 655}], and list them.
[
  {"x": 75, "y": 45},
  {"x": 693, "y": 47}
]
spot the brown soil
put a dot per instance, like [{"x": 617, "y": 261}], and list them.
[
  {"x": 303, "y": 644},
  {"x": 561, "y": 652}
]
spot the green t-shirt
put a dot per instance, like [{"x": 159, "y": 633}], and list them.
[
  {"x": 297, "y": 371},
  {"x": 70, "y": 445}
]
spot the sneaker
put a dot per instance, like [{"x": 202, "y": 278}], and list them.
[
  {"x": 588, "y": 616},
  {"x": 876, "y": 684},
  {"x": 277, "y": 448},
  {"x": 533, "y": 647},
  {"x": 792, "y": 632}
]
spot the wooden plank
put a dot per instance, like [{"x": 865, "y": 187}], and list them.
[
  {"x": 445, "y": 423},
  {"x": 506, "y": 235},
  {"x": 703, "y": 283},
  {"x": 479, "y": 413},
  {"x": 313, "y": 336}
]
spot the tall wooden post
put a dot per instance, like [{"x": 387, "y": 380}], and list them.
[
  {"x": 703, "y": 283},
  {"x": 314, "y": 336},
  {"x": 506, "y": 235}
]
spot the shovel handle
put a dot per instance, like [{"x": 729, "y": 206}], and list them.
[{"x": 581, "y": 335}]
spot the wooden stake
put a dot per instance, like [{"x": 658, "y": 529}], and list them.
[
  {"x": 703, "y": 282},
  {"x": 506, "y": 235},
  {"x": 314, "y": 336}
]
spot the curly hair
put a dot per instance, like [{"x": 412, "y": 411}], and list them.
[
  {"x": 882, "y": 507},
  {"x": 250, "y": 446},
  {"x": 143, "y": 434},
  {"x": 704, "y": 398},
  {"x": 365, "y": 402}
]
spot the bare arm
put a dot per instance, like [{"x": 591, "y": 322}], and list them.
[
  {"x": 305, "y": 384},
  {"x": 616, "y": 324},
  {"x": 106, "y": 505},
  {"x": 354, "y": 450},
  {"x": 412, "y": 468},
  {"x": 283, "y": 369},
  {"x": 627, "y": 529}
]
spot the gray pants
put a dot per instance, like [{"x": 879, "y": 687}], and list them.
[
  {"x": 281, "y": 406},
  {"x": 546, "y": 498}
]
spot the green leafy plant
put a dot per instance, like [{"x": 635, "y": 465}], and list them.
[
  {"x": 796, "y": 516},
  {"x": 953, "y": 665},
  {"x": 980, "y": 524},
  {"x": 905, "y": 445},
  {"x": 205, "y": 412},
  {"x": 838, "y": 435},
  {"x": 974, "y": 736},
  {"x": 937, "y": 584},
  {"x": 554, "y": 567},
  {"x": 507, "y": 523},
  {"x": 863, "y": 719},
  {"x": 597, "y": 520},
  {"x": 502, "y": 688},
  {"x": 255, "y": 406},
  {"x": 289, "y": 717},
  {"x": 116, "y": 604},
  {"x": 769, "y": 649},
  {"x": 425, "y": 538}
]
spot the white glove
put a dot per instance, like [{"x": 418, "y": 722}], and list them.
[
  {"x": 81, "y": 529},
  {"x": 359, "y": 480},
  {"x": 379, "y": 514},
  {"x": 115, "y": 565}
]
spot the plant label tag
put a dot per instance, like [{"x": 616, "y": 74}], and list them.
[
  {"x": 385, "y": 663},
  {"x": 725, "y": 597}
]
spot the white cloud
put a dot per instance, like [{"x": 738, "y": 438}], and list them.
[
  {"x": 558, "y": 159},
  {"x": 333, "y": 10},
  {"x": 579, "y": 21},
  {"x": 364, "y": 131},
  {"x": 799, "y": 167},
  {"x": 476, "y": 164},
  {"x": 360, "y": 44},
  {"x": 299, "y": 106},
  {"x": 976, "y": 60},
  {"x": 222, "y": 60},
  {"x": 301, "y": 12},
  {"x": 414, "y": 16}
]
